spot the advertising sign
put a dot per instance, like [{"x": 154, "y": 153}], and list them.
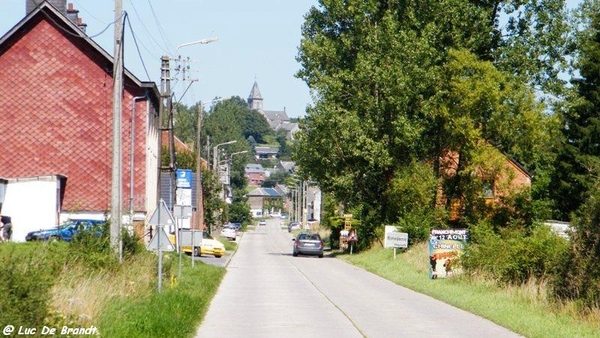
[{"x": 446, "y": 247}]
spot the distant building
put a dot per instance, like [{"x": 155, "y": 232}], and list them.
[
  {"x": 278, "y": 119},
  {"x": 255, "y": 173}
]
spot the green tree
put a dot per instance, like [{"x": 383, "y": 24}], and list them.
[
  {"x": 579, "y": 160},
  {"x": 185, "y": 123},
  {"x": 398, "y": 83}
]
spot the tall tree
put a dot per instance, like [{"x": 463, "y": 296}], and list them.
[
  {"x": 579, "y": 161},
  {"x": 379, "y": 72}
]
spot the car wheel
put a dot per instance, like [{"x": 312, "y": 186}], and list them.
[
  {"x": 321, "y": 256},
  {"x": 295, "y": 254},
  {"x": 197, "y": 252},
  {"x": 218, "y": 256}
]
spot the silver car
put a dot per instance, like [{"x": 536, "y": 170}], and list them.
[{"x": 308, "y": 244}]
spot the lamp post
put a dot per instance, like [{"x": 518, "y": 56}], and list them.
[
  {"x": 199, "y": 219},
  {"x": 228, "y": 173},
  {"x": 216, "y": 154}
]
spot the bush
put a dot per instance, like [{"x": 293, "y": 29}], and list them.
[
  {"x": 578, "y": 277},
  {"x": 26, "y": 278},
  {"x": 514, "y": 255}
]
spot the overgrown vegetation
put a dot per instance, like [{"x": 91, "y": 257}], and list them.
[
  {"x": 418, "y": 113},
  {"x": 82, "y": 283}
]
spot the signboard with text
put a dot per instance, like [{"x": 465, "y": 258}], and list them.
[
  {"x": 395, "y": 239},
  {"x": 184, "y": 179},
  {"x": 446, "y": 247}
]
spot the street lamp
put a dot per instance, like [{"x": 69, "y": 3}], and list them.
[
  {"x": 201, "y": 42},
  {"x": 216, "y": 154},
  {"x": 227, "y": 181}
]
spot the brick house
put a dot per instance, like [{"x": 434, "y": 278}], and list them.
[
  {"x": 501, "y": 177},
  {"x": 57, "y": 114}
]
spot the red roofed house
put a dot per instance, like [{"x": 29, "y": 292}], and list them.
[{"x": 56, "y": 119}]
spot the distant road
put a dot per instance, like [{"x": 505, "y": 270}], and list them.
[{"x": 269, "y": 293}]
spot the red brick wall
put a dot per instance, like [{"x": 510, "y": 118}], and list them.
[{"x": 56, "y": 117}]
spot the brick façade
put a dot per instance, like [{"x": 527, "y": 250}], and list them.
[{"x": 56, "y": 116}]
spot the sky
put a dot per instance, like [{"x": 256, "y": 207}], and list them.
[{"x": 257, "y": 41}]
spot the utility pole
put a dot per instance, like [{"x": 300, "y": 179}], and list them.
[
  {"x": 117, "y": 157},
  {"x": 199, "y": 220}
]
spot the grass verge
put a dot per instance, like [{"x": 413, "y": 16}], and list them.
[
  {"x": 524, "y": 310},
  {"x": 174, "y": 312}
]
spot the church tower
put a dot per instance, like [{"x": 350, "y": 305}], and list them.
[{"x": 255, "y": 100}]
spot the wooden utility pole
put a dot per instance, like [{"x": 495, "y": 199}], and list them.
[
  {"x": 199, "y": 219},
  {"x": 117, "y": 156}
]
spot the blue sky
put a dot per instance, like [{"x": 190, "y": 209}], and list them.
[{"x": 258, "y": 40}]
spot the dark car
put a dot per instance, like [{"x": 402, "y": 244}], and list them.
[
  {"x": 67, "y": 231},
  {"x": 308, "y": 244}
]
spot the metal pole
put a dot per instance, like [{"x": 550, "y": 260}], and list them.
[
  {"x": 158, "y": 233},
  {"x": 117, "y": 157}
]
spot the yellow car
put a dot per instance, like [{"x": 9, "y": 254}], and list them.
[{"x": 209, "y": 246}]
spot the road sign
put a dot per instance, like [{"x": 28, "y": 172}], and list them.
[
  {"x": 395, "y": 239},
  {"x": 165, "y": 243},
  {"x": 182, "y": 211},
  {"x": 162, "y": 215}
]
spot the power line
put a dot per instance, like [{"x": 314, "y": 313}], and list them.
[
  {"x": 160, "y": 29},
  {"x": 136, "y": 46},
  {"x": 146, "y": 29}
]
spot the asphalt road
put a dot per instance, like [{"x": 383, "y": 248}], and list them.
[{"x": 269, "y": 293}]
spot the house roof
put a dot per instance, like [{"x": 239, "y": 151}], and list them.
[
  {"x": 288, "y": 165},
  {"x": 264, "y": 192},
  {"x": 254, "y": 168},
  {"x": 61, "y": 20},
  {"x": 266, "y": 150}
]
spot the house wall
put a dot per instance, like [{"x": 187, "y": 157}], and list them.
[{"x": 57, "y": 114}]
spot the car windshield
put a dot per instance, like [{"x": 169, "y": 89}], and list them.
[{"x": 309, "y": 237}]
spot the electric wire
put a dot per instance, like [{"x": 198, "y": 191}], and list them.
[
  {"x": 160, "y": 29},
  {"x": 136, "y": 45},
  {"x": 146, "y": 29}
]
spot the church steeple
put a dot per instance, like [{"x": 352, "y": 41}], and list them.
[{"x": 255, "y": 100}]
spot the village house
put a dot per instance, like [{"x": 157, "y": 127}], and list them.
[{"x": 57, "y": 123}]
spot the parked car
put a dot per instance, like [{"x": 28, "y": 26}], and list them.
[
  {"x": 293, "y": 226},
  {"x": 308, "y": 244},
  {"x": 262, "y": 222},
  {"x": 209, "y": 246},
  {"x": 236, "y": 226},
  {"x": 229, "y": 232},
  {"x": 67, "y": 231}
]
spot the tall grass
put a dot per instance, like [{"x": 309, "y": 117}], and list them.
[
  {"x": 174, "y": 312},
  {"x": 81, "y": 293},
  {"x": 525, "y": 309}
]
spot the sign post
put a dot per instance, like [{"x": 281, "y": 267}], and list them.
[
  {"x": 395, "y": 239},
  {"x": 160, "y": 242}
]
